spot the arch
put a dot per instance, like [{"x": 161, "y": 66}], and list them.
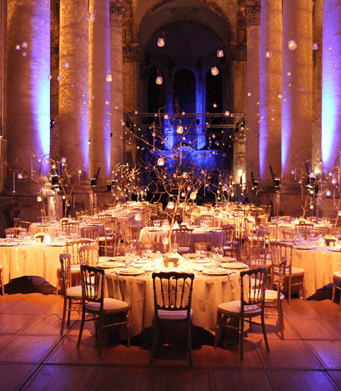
[{"x": 168, "y": 11}]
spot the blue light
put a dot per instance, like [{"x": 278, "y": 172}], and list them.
[
  {"x": 331, "y": 91},
  {"x": 40, "y": 83}
]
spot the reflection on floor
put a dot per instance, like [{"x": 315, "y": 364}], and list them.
[{"x": 33, "y": 356}]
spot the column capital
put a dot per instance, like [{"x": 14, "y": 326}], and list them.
[
  {"x": 252, "y": 12},
  {"x": 117, "y": 11}
]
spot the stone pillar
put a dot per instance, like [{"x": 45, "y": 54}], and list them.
[
  {"x": 297, "y": 78},
  {"x": 317, "y": 87},
  {"x": 99, "y": 103},
  {"x": 331, "y": 85},
  {"x": 3, "y": 89},
  {"x": 29, "y": 92},
  {"x": 239, "y": 77},
  {"x": 252, "y": 87},
  {"x": 74, "y": 86},
  {"x": 116, "y": 61},
  {"x": 270, "y": 90}
]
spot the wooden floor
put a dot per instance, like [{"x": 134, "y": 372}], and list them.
[{"x": 33, "y": 356}]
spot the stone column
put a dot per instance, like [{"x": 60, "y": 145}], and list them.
[
  {"x": 297, "y": 78},
  {"x": 331, "y": 85},
  {"x": 116, "y": 61},
  {"x": 252, "y": 87},
  {"x": 239, "y": 77},
  {"x": 29, "y": 92},
  {"x": 317, "y": 86},
  {"x": 3, "y": 89},
  {"x": 99, "y": 103},
  {"x": 74, "y": 86},
  {"x": 270, "y": 90}
]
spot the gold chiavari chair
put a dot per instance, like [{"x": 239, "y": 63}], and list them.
[
  {"x": 89, "y": 255},
  {"x": 294, "y": 277}
]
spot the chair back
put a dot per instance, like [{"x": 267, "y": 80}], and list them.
[
  {"x": 92, "y": 279},
  {"x": 279, "y": 282},
  {"x": 280, "y": 251},
  {"x": 148, "y": 245},
  {"x": 72, "y": 247},
  {"x": 182, "y": 236},
  {"x": 132, "y": 232},
  {"x": 263, "y": 238},
  {"x": 65, "y": 267},
  {"x": 256, "y": 256},
  {"x": 253, "y": 283},
  {"x": 89, "y": 254},
  {"x": 230, "y": 233},
  {"x": 172, "y": 291},
  {"x": 91, "y": 233},
  {"x": 249, "y": 226},
  {"x": 70, "y": 227}
]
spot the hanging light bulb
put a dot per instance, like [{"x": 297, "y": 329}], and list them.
[
  {"x": 214, "y": 71},
  {"x": 292, "y": 45},
  {"x": 159, "y": 79},
  {"x": 109, "y": 77},
  {"x": 161, "y": 40},
  {"x": 179, "y": 129},
  {"x": 160, "y": 161},
  {"x": 220, "y": 53}
]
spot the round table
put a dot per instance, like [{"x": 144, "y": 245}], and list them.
[
  {"x": 214, "y": 236},
  {"x": 319, "y": 266},
  {"x": 30, "y": 259},
  {"x": 208, "y": 293}
]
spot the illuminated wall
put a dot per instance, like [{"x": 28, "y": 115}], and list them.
[
  {"x": 28, "y": 85},
  {"x": 331, "y": 85}
]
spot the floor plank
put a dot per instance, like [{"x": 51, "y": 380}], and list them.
[{"x": 34, "y": 356}]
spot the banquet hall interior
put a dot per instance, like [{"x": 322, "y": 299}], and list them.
[{"x": 198, "y": 139}]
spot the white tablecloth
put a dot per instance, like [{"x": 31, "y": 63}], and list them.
[
  {"x": 318, "y": 267},
  {"x": 208, "y": 293},
  {"x": 30, "y": 260},
  {"x": 213, "y": 236}
]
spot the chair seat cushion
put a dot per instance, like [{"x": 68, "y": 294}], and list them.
[
  {"x": 295, "y": 271},
  {"x": 337, "y": 275},
  {"x": 108, "y": 305},
  {"x": 271, "y": 295},
  {"x": 174, "y": 315},
  {"x": 235, "y": 307},
  {"x": 74, "y": 291}
]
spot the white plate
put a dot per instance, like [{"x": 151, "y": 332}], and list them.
[
  {"x": 200, "y": 260},
  {"x": 130, "y": 272},
  {"x": 57, "y": 244},
  {"x": 4, "y": 244},
  {"x": 236, "y": 265},
  {"x": 227, "y": 259},
  {"x": 193, "y": 255},
  {"x": 305, "y": 248},
  {"x": 215, "y": 272},
  {"x": 141, "y": 262},
  {"x": 110, "y": 265},
  {"x": 149, "y": 269}
]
